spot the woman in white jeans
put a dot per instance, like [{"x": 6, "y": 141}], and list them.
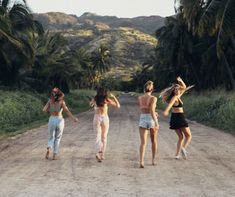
[
  {"x": 101, "y": 119},
  {"x": 55, "y": 106}
]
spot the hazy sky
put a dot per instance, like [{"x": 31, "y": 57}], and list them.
[{"x": 119, "y": 8}]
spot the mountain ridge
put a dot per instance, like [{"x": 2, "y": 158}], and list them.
[{"x": 130, "y": 40}]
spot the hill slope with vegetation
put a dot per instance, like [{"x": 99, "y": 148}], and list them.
[{"x": 129, "y": 40}]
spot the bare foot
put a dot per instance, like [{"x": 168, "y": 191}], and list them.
[
  {"x": 47, "y": 153},
  {"x": 141, "y": 165},
  {"x": 102, "y": 157},
  {"x": 55, "y": 157},
  {"x": 98, "y": 158}
]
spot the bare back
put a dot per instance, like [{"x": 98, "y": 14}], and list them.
[
  {"x": 145, "y": 103},
  {"x": 101, "y": 110}
]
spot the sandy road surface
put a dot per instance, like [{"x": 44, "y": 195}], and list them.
[{"x": 209, "y": 170}]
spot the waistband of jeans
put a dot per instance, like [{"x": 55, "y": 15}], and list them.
[
  {"x": 59, "y": 117},
  {"x": 147, "y": 114}
]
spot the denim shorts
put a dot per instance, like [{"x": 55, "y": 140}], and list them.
[{"x": 146, "y": 121}]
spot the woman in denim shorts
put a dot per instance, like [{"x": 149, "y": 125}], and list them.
[{"x": 148, "y": 121}]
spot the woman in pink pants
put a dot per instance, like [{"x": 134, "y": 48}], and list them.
[{"x": 101, "y": 119}]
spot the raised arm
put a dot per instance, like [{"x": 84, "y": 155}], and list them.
[
  {"x": 66, "y": 109},
  {"x": 169, "y": 106},
  {"x": 113, "y": 102},
  {"x": 183, "y": 87},
  {"x": 45, "y": 108},
  {"x": 181, "y": 83}
]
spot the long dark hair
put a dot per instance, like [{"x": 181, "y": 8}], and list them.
[{"x": 101, "y": 97}]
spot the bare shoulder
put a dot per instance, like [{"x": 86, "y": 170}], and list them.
[
  {"x": 154, "y": 98},
  {"x": 62, "y": 103}
]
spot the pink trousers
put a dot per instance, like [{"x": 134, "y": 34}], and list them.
[{"x": 101, "y": 127}]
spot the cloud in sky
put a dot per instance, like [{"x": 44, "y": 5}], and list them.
[{"x": 120, "y": 8}]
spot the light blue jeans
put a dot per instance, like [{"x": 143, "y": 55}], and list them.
[{"x": 55, "y": 131}]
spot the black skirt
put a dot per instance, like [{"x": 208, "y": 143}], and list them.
[{"x": 178, "y": 121}]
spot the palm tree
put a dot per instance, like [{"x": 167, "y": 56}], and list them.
[
  {"x": 214, "y": 18},
  {"x": 50, "y": 64},
  {"x": 174, "y": 51},
  {"x": 100, "y": 59},
  {"x": 16, "y": 27},
  {"x": 222, "y": 15},
  {"x": 85, "y": 74}
]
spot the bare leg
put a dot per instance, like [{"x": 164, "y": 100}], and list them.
[
  {"x": 153, "y": 136},
  {"x": 180, "y": 141},
  {"x": 188, "y": 136},
  {"x": 104, "y": 133},
  {"x": 143, "y": 141}
]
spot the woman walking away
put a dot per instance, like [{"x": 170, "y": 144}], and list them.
[
  {"x": 172, "y": 96},
  {"x": 101, "y": 119},
  {"x": 148, "y": 121},
  {"x": 55, "y": 106}
]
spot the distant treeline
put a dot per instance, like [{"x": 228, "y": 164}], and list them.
[{"x": 197, "y": 43}]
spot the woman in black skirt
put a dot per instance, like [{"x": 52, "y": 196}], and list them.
[{"x": 178, "y": 123}]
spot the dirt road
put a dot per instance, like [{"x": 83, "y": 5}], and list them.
[{"x": 209, "y": 170}]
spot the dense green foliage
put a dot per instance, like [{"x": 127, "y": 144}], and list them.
[
  {"x": 197, "y": 44},
  {"x": 19, "y": 109},
  {"x": 36, "y": 60},
  {"x": 213, "y": 108}
]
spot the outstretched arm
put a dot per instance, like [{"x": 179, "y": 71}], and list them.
[
  {"x": 66, "y": 109},
  {"x": 45, "y": 108},
  {"x": 169, "y": 106}
]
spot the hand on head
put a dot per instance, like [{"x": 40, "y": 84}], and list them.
[{"x": 111, "y": 95}]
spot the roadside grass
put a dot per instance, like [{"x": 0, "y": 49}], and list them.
[
  {"x": 212, "y": 108},
  {"x": 21, "y": 111}
]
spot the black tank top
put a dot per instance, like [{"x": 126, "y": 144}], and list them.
[{"x": 179, "y": 105}]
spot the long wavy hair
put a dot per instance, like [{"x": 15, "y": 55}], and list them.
[
  {"x": 169, "y": 92},
  {"x": 56, "y": 95},
  {"x": 101, "y": 97}
]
